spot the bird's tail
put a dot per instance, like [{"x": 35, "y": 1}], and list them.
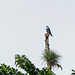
[{"x": 51, "y": 35}]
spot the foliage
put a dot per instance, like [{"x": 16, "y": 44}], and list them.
[
  {"x": 46, "y": 71},
  {"x": 6, "y": 70},
  {"x": 24, "y": 63},
  {"x": 52, "y": 58},
  {"x": 73, "y": 71}
]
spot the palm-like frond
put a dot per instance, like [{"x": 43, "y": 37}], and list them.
[
  {"x": 59, "y": 66},
  {"x": 52, "y": 58}
]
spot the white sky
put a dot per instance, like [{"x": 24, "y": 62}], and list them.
[{"x": 22, "y": 29}]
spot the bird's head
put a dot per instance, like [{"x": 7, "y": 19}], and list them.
[{"x": 47, "y": 27}]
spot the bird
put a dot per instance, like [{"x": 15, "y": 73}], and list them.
[{"x": 48, "y": 30}]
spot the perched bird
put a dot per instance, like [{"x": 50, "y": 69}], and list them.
[{"x": 48, "y": 30}]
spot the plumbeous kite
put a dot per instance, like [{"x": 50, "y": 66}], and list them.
[{"x": 48, "y": 30}]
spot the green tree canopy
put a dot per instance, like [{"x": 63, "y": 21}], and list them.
[{"x": 24, "y": 63}]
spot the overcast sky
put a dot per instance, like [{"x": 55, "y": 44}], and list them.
[{"x": 22, "y": 29}]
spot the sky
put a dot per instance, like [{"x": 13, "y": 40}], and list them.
[{"x": 23, "y": 25}]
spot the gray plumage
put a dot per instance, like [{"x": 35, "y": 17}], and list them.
[{"x": 48, "y": 30}]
